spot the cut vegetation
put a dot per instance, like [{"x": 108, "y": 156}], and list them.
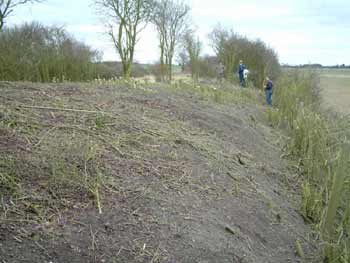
[{"x": 119, "y": 172}]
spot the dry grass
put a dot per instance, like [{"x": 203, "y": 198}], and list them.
[
  {"x": 319, "y": 142},
  {"x": 129, "y": 163},
  {"x": 58, "y": 139}
]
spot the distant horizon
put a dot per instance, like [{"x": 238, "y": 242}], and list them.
[
  {"x": 282, "y": 64},
  {"x": 300, "y": 33}
]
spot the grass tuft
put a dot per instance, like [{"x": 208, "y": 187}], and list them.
[{"x": 323, "y": 157}]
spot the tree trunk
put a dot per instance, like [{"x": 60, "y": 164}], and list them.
[
  {"x": 170, "y": 64},
  {"x": 126, "y": 69},
  {"x": 162, "y": 66},
  {"x": 170, "y": 68}
]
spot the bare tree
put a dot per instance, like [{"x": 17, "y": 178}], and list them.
[
  {"x": 8, "y": 6},
  {"x": 159, "y": 19},
  {"x": 170, "y": 19},
  {"x": 193, "y": 48},
  {"x": 127, "y": 18},
  {"x": 182, "y": 59}
]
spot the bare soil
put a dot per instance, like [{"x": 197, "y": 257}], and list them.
[{"x": 180, "y": 178}]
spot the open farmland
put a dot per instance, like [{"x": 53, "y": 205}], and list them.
[{"x": 335, "y": 86}]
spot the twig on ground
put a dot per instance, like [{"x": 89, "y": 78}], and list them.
[
  {"x": 42, "y": 248},
  {"x": 94, "y": 134},
  {"x": 93, "y": 239},
  {"x": 17, "y": 220},
  {"x": 60, "y": 109},
  {"x": 43, "y": 137},
  {"x": 230, "y": 230},
  {"x": 17, "y": 239}
]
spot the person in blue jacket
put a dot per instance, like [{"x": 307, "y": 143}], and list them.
[
  {"x": 241, "y": 69},
  {"x": 268, "y": 91}
]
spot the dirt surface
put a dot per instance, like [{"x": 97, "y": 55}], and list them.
[{"x": 179, "y": 178}]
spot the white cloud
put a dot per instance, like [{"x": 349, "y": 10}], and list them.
[
  {"x": 237, "y": 10},
  {"x": 86, "y": 28},
  {"x": 300, "y": 31}
]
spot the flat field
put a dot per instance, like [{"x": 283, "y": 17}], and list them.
[{"x": 335, "y": 85}]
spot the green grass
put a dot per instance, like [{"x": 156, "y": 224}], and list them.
[
  {"x": 224, "y": 94},
  {"x": 317, "y": 143}
]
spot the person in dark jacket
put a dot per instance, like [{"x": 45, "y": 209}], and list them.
[
  {"x": 241, "y": 69},
  {"x": 268, "y": 91}
]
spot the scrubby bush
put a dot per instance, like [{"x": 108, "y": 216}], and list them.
[
  {"x": 112, "y": 69},
  {"x": 156, "y": 71},
  {"x": 33, "y": 52},
  {"x": 140, "y": 70},
  {"x": 207, "y": 67},
  {"x": 193, "y": 47},
  {"x": 231, "y": 47}
]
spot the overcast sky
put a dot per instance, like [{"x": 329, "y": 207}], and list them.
[{"x": 301, "y": 31}]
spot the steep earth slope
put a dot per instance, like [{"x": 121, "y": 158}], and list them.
[{"x": 106, "y": 173}]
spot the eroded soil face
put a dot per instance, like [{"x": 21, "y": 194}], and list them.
[{"x": 115, "y": 174}]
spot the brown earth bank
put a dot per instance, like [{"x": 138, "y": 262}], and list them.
[{"x": 107, "y": 173}]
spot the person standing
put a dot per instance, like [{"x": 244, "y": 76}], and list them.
[
  {"x": 268, "y": 91},
  {"x": 241, "y": 69},
  {"x": 221, "y": 72},
  {"x": 245, "y": 76}
]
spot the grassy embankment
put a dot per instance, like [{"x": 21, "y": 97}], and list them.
[
  {"x": 319, "y": 143},
  {"x": 56, "y": 160}
]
